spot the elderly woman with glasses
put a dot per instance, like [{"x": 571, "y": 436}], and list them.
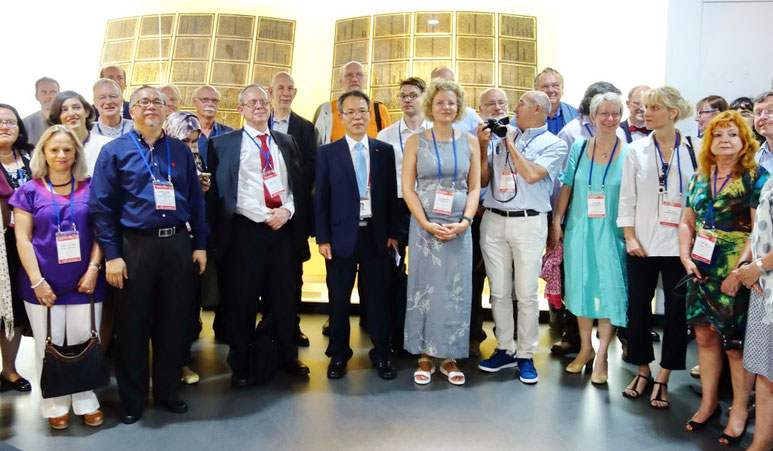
[{"x": 706, "y": 109}]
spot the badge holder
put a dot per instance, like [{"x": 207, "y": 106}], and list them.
[
  {"x": 703, "y": 249},
  {"x": 163, "y": 191},
  {"x": 444, "y": 201},
  {"x": 596, "y": 204},
  {"x": 273, "y": 183},
  {"x": 365, "y": 206},
  {"x": 68, "y": 246}
]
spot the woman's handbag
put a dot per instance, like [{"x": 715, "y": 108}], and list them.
[{"x": 75, "y": 368}]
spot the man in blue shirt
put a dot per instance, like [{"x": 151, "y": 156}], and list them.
[
  {"x": 206, "y": 100},
  {"x": 144, "y": 191},
  {"x": 551, "y": 83}
]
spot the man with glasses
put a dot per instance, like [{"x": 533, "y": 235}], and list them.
[
  {"x": 633, "y": 126},
  {"x": 355, "y": 208},
  {"x": 145, "y": 190},
  {"x": 36, "y": 123},
  {"x": 327, "y": 120},
  {"x": 257, "y": 207},
  {"x": 206, "y": 100},
  {"x": 763, "y": 123},
  {"x": 412, "y": 122},
  {"x": 118, "y": 75},
  {"x": 551, "y": 82},
  {"x": 108, "y": 102}
]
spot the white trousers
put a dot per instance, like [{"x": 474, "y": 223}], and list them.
[
  {"x": 74, "y": 322},
  {"x": 512, "y": 251}
]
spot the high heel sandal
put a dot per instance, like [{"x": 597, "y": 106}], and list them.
[
  {"x": 635, "y": 384},
  {"x": 693, "y": 426},
  {"x": 659, "y": 397},
  {"x": 729, "y": 440},
  {"x": 427, "y": 375},
  {"x": 575, "y": 368}
]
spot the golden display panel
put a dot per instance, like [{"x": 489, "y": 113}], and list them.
[
  {"x": 392, "y": 25},
  {"x": 189, "y": 72},
  {"x": 475, "y": 72},
  {"x": 481, "y": 24},
  {"x": 229, "y": 118},
  {"x": 335, "y": 95},
  {"x": 148, "y": 73},
  {"x": 232, "y": 49},
  {"x": 432, "y": 47},
  {"x": 472, "y": 95},
  {"x": 475, "y": 48},
  {"x": 351, "y": 29},
  {"x": 229, "y": 97},
  {"x": 274, "y": 53},
  {"x": 261, "y": 74},
  {"x": 121, "y": 29},
  {"x": 195, "y": 24},
  {"x": 517, "y": 75},
  {"x": 518, "y": 51},
  {"x": 335, "y": 80},
  {"x": 388, "y": 49},
  {"x": 388, "y": 73},
  {"x": 155, "y": 26},
  {"x": 229, "y": 74},
  {"x": 276, "y": 29},
  {"x": 386, "y": 95},
  {"x": 423, "y": 69},
  {"x": 433, "y": 23},
  {"x": 186, "y": 96},
  {"x": 350, "y": 51},
  {"x": 518, "y": 26},
  {"x": 236, "y": 26},
  {"x": 148, "y": 48},
  {"x": 192, "y": 48},
  {"x": 513, "y": 95},
  {"x": 395, "y": 116},
  {"x": 113, "y": 52}
]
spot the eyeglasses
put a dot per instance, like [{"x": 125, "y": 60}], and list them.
[
  {"x": 9, "y": 124},
  {"x": 208, "y": 100},
  {"x": 113, "y": 97},
  {"x": 412, "y": 96},
  {"x": 492, "y": 104},
  {"x": 607, "y": 114},
  {"x": 761, "y": 113},
  {"x": 353, "y": 114},
  {"x": 357, "y": 76},
  {"x": 145, "y": 103},
  {"x": 445, "y": 103},
  {"x": 255, "y": 103},
  {"x": 707, "y": 112}
]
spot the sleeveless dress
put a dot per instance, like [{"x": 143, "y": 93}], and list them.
[{"x": 437, "y": 318}]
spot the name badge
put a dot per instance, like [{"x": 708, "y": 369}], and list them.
[
  {"x": 164, "y": 194},
  {"x": 507, "y": 182},
  {"x": 670, "y": 213},
  {"x": 68, "y": 247},
  {"x": 273, "y": 183},
  {"x": 597, "y": 206},
  {"x": 444, "y": 202},
  {"x": 365, "y": 210},
  {"x": 703, "y": 249}
]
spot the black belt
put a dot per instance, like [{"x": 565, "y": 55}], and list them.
[
  {"x": 164, "y": 232},
  {"x": 514, "y": 214}
]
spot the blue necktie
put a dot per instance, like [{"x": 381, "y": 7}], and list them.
[{"x": 362, "y": 170}]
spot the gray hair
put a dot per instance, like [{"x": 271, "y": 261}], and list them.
[
  {"x": 105, "y": 81},
  {"x": 197, "y": 90},
  {"x": 610, "y": 97},
  {"x": 171, "y": 86},
  {"x": 342, "y": 69},
  {"x": 38, "y": 165},
  {"x": 250, "y": 86},
  {"x": 539, "y": 98},
  {"x": 761, "y": 98},
  {"x": 133, "y": 97},
  {"x": 488, "y": 90}
]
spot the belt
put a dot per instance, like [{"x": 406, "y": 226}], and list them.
[
  {"x": 514, "y": 214},
  {"x": 164, "y": 232}
]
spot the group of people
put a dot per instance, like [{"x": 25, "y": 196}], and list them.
[{"x": 137, "y": 197}]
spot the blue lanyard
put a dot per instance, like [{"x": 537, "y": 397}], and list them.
[
  {"x": 56, "y": 207},
  {"x": 589, "y": 131},
  {"x": 710, "y": 211},
  {"x": 145, "y": 160},
  {"x": 604, "y": 180},
  {"x": 266, "y": 153},
  {"x": 88, "y": 137},
  {"x": 666, "y": 168},
  {"x": 529, "y": 142},
  {"x": 123, "y": 124},
  {"x": 18, "y": 169},
  {"x": 453, "y": 142}
]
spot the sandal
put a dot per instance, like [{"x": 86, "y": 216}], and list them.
[
  {"x": 635, "y": 384},
  {"x": 659, "y": 396},
  {"x": 422, "y": 377},
  {"x": 454, "y": 377}
]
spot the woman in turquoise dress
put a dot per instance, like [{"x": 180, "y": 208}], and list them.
[{"x": 594, "y": 248}]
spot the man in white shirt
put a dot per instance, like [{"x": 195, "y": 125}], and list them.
[
  {"x": 36, "y": 123},
  {"x": 763, "y": 123},
  {"x": 109, "y": 103},
  {"x": 633, "y": 126},
  {"x": 412, "y": 122},
  {"x": 257, "y": 214},
  {"x": 470, "y": 120}
]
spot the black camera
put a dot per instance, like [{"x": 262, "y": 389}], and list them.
[{"x": 497, "y": 126}]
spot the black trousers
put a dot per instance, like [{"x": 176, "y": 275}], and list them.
[
  {"x": 478, "y": 279},
  {"x": 154, "y": 305},
  {"x": 370, "y": 261},
  {"x": 259, "y": 265},
  {"x": 398, "y": 280},
  {"x": 642, "y": 281}
]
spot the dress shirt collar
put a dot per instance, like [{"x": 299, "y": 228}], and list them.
[
  {"x": 425, "y": 125},
  {"x": 351, "y": 143},
  {"x": 144, "y": 140},
  {"x": 765, "y": 150},
  {"x": 530, "y": 132},
  {"x": 254, "y": 132},
  {"x": 558, "y": 112},
  {"x": 285, "y": 120}
]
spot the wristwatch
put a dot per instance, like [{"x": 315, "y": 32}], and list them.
[
  {"x": 96, "y": 265},
  {"x": 758, "y": 262}
]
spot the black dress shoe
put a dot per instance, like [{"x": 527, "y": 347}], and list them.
[
  {"x": 295, "y": 368},
  {"x": 654, "y": 336},
  {"x": 239, "y": 380},
  {"x": 326, "y": 328},
  {"x": 20, "y": 384},
  {"x": 301, "y": 339},
  {"x": 385, "y": 370},
  {"x": 176, "y": 406},
  {"x": 566, "y": 346},
  {"x": 336, "y": 369},
  {"x": 130, "y": 418}
]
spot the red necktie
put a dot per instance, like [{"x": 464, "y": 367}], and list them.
[{"x": 271, "y": 202}]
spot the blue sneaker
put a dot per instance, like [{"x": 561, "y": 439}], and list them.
[
  {"x": 528, "y": 372},
  {"x": 499, "y": 359}
]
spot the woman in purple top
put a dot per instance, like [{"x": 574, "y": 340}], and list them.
[{"x": 61, "y": 260}]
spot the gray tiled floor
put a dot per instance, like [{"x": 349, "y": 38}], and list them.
[{"x": 360, "y": 411}]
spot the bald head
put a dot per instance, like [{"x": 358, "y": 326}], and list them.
[
  {"x": 532, "y": 110},
  {"x": 443, "y": 72},
  {"x": 282, "y": 92},
  {"x": 353, "y": 76}
]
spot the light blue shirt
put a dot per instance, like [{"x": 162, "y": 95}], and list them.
[
  {"x": 764, "y": 157},
  {"x": 546, "y": 150},
  {"x": 469, "y": 122}
]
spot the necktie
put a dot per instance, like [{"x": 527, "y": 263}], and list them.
[
  {"x": 362, "y": 170},
  {"x": 271, "y": 202},
  {"x": 633, "y": 128}
]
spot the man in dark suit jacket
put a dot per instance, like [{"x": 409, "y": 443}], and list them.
[
  {"x": 355, "y": 206},
  {"x": 257, "y": 205},
  {"x": 283, "y": 119}
]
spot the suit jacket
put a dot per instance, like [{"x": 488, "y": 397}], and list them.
[
  {"x": 303, "y": 132},
  {"x": 223, "y": 162},
  {"x": 337, "y": 199}
]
